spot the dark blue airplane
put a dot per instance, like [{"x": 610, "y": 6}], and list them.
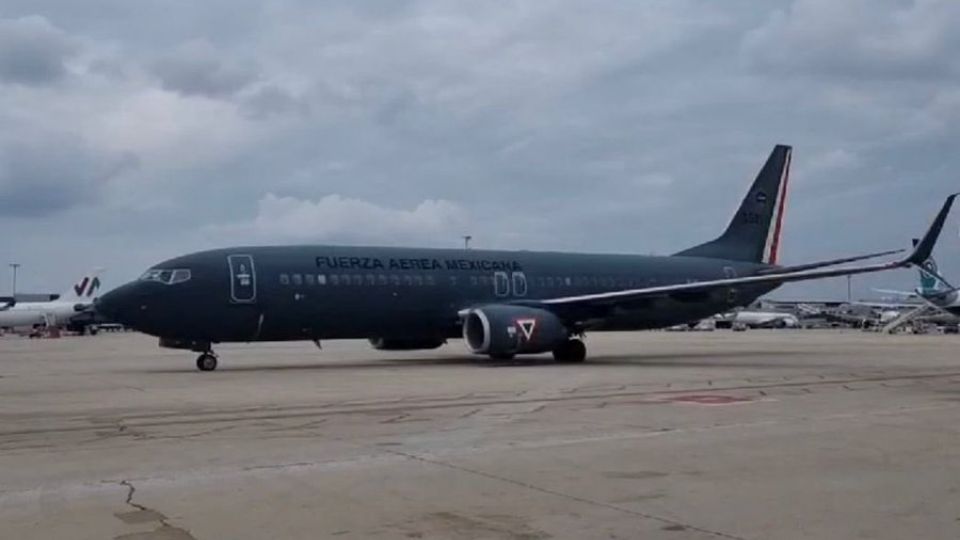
[{"x": 503, "y": 303}]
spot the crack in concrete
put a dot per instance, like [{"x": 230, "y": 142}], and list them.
[
  {"x": 144, "y": 514},
  {"x": 533, "y": 487}
]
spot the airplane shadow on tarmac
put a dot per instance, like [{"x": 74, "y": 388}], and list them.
[{"x": 682, "y": 360}]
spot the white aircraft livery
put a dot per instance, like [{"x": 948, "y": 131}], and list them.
[{"x": 54, "y": 313}]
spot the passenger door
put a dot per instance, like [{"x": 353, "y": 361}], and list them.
[
  {"x": 501, "y": 284},
  {"x": 244, "y": 321},
  {"x": 243, "y": 279}
]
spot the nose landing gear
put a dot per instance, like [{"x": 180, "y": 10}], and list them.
[{"x": 207, "y": 361}]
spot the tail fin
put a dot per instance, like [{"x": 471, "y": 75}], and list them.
[
  {"x": 84, "y": 290},
  {"x": 754, "y": 233},
  {"x": 929, "y": 285}
]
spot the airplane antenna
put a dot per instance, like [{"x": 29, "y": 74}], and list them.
[{"x": 466, "y": 241}]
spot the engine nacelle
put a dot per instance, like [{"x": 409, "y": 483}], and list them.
[
  {"x": 500, "y": 329},
  {"x": 406, "y": 344}
]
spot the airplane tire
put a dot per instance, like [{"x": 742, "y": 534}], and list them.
[
  {"x": 206, "y": 362},
  {"x": 571, "y": 352}
]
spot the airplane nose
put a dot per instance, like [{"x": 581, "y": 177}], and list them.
[{"x": 117, "y": 305}]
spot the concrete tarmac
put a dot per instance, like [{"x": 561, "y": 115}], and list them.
[{"x": 753, "y": 435}]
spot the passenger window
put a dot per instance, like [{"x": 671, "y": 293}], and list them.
[
  {"x": 309, "y": 279},
  {"x": 453, "y": 281},
  {"x": 284, "y": 279},
  {"x": 357, "y": 280},
  {"x": 567, "y": 282},
  {"x": 371, "y": 279},
  {"x": 344, "y": 279},
  {"x": 549, "y": 282},
  {"x": 334, "y": 279},
  {"x": 297, "y": 280},
  {"x": 382, "y": 279},
  {"x": 395, "y": 280},
  {"x": 407, "y": 280},
  {"x": 321, "y": 279},
  {"x": 430, "y": 281},
  {"x": 473, "y": 280},
  {"x": 418, "y": 280}
]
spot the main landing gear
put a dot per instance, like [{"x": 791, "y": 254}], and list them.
[
  {"x": 571, "y": 351},
  {"x": 207, "y": 361}
]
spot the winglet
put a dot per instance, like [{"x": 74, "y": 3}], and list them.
[{"x": 923, "y": 249}]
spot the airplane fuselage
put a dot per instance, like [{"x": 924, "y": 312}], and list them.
[
  {"x": 330, "y": 292},
  {"x": 29, "y": 314}
]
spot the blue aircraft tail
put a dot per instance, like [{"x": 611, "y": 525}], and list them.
[
  {"x": 929, "y": 284},
  {"x": 754, "y": 233}
]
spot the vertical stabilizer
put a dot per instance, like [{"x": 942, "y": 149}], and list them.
[
  {"x": 755, "y": 231},
  {"x": 84, "y": 290},
  {"x": 929, "y": 284}
]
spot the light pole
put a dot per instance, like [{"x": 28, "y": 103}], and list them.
[
  {"x": 14, "y": 266},
  {"x": 466, "y": 241}
]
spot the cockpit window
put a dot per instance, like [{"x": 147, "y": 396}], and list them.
[
  {"x": 180, "y": 275},
  {"x": 166, "y": 276}
]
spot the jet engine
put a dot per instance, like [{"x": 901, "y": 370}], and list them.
[
  {"x": 503, "y": 330},
  {"x": 407, "y": 343}
]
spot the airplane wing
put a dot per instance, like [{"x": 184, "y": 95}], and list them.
[
  {"x": 831, "y": 262},
  {"x": 920, "y": 253},
  {"x": 7, "y": 302}
]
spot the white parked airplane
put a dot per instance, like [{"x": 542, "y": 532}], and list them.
[
  {"x": 758, "y": 318},
  {"x": 940, "y": 306},
  {"x": 53, "y": 313}
]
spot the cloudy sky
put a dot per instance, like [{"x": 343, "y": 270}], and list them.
[{"x": 135, "y": 131}]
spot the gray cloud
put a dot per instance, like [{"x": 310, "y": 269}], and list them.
[
  {"x": 42, "y": 176},
  {"x": 271, "y": 100},
  {"x": 32, "y": 51},
  {"x": 860, "y": 38},
  {"x": 196, "y": 68}
]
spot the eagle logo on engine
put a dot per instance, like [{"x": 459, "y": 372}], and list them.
[{"x": 526, "y": 326}]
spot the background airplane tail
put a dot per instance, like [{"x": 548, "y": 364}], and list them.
[
  {"x": 929, "y": 284},
  {"x": 84, "y": 290},
  {"x": 754, "y": 233}
]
